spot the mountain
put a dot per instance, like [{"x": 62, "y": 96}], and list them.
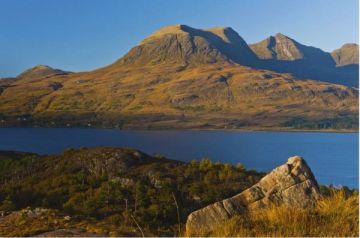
[
  {"x": 348, "y": 54},
  {"x": 181, "y": 77},
  {"x": 186, "y": 45},
  {"x": 39, "y": 72},
  {"x": 36, "y": 72},
  {"x": 5, "y": 83},
  {"x": 282, "y": 54},
  {"x": 281, "y": 47}
]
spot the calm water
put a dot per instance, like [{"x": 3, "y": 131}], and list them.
[{"x": 333, "y": 157}]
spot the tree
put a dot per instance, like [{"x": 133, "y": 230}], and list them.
[
  {"x": 205, "y": 164},
  {"x": 140, "y": 195},
  {"x": 7, "y": 205},
  {"x": 240, "y": 167}
]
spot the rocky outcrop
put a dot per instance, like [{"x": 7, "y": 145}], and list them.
[
  {"x": 106, "y": 161},
  {"x": 69, "y": 232},
  {"x": 278, "y": 47},
  {"x": 291, "y": 184},
  {"x": 42, "y": 222},
  {"x": 348, "y": 54}
]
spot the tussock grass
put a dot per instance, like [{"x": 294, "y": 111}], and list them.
[{"x": 336, "y": 215}]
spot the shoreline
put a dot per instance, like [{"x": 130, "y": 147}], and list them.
[
  {"x": 281, "y": 130},
  {"x": 250, "y": 129}
]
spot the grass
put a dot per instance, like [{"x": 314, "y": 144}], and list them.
[
  {"x": 336, "y": 215},
  {"x": 195, "y": 108}
]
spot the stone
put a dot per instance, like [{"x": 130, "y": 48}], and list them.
[
  {"x": 291, "y": 184},
  {"x": 69, "y": 232}
]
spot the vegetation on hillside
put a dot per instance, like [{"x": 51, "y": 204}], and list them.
[
  {"x": 114, "y": 190},
  {"x": 344, "y": 122},
  {"x": 123, "y": 192}
]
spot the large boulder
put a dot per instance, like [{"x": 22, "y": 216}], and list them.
[{"x": 291, "y": 184}]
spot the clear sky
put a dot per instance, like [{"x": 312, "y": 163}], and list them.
[{"x": 79, "y": 35}]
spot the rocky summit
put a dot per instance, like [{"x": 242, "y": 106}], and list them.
[
  {"x": 348, "y": 54},
  {"x": 291, "y": 184},
  {"x": 281, "y": 53}
]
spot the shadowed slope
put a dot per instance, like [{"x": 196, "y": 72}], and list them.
[{"x": 283, "y": 54}]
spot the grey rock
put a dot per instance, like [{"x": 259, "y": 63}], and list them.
[{"x": 291, "y": 184}]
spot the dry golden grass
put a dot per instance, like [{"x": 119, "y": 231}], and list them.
[
  {"x": 336, "y": 215},
  {"x": 333, "y": 216}
]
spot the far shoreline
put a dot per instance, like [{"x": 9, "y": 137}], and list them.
[{"x": 249, "y": 129}]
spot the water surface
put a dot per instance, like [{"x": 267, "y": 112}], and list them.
[{"x": 333, "y": 157}]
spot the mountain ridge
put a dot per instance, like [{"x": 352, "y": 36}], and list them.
[
  {"x": 288, "y": 49},
  {"x": 283, "y": 54},
  {"x": 190, "y": 46},
  {"x": 181, "y": 77}
]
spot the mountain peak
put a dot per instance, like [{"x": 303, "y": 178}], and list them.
[
  {"x": 41, "y": 67},
  {"x": 222, "y": 32},
  {"x": 186, "y": 45},
  {"x": 40, "y": 71},
  {"x": 172, "y": 29},
  {"x": 348, "y": 54},
  {"x": 278, "y": 47},
  {"x": 347, "y": 45},
  {"x": 281, "y": 35},
  {"x": 227, "y": 34},
  {"x": 181, "y": 28}
]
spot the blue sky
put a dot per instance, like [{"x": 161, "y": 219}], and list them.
[{"x": 79, "y": 35}]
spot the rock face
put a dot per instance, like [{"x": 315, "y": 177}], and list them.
[
  {"x": 348, "y": 54},
  {"x": 278, "y": 47},
  {"x": 283, "y": 48},
  {"x": 291, "y": 184}
]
